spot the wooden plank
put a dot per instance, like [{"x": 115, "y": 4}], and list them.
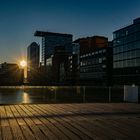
[
  {"x": 58, "y": 126},
  {"x": 92, "y": 122},
  {"x": 48, "y": 124},
  {"x": 6, "y": 130},
  {"x": 95, "y": 132},
  {"x": 24, "y": 127},
  {"x": 17, "y": 133},
  {"x": 79, "y": 133},
  {"x": 35, "y": 130},
  {"x": 0, "y": 127},
  {"x": 67, "y": 128},
  {"x": 43, "y": 127},
  {"x": 72, "y": 122}
]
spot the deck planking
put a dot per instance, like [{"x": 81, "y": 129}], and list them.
[{"x": 97, "y": 121}]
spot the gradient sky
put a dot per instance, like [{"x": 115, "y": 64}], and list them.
[{"x": 19, "y": 19}]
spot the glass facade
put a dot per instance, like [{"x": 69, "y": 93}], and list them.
[
  {"x": 49, "y": 42},
  {"x": 126, "y": 47},
  {"x": 96, "y": 65},
  {"x": 126, "y": 50}
]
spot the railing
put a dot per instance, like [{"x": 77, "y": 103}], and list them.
[{"x": 60, "y": 94}]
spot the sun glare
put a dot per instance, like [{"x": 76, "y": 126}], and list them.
[{"x": 23, "y": 63}]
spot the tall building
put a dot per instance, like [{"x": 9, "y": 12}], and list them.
[
  {"x": 126, "y": 54},
  {"x": 50, "y": 40},
  {"x": 33, "y": 61},
  {"x": 95, "y": 61}
]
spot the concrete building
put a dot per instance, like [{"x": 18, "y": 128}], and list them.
[
  {"x": 50, "y": 40},
  {"x": 95, "y": 61},
  {"x": 126, "y": 54}
]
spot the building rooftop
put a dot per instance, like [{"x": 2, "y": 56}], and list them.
[
  {"x": 135, "y": 21},
  {"x": 43, "y": 33},
  {"x": 92, "y": 37}
]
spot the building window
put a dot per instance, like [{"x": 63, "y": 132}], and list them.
[
  {"x": 104, "y": 50},
  {"x": 103, "y": 66},
  {"x": 100, "y": 60}
]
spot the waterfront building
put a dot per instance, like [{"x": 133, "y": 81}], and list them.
[
  {"x": 126, "y": 54},
  {"x": 50, "y": 40},
  {"x": 95, "y": 61},
  {"x": 33, "y": 56},
  {"x": 73, "y": 64}
]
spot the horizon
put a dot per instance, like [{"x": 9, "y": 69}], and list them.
[{"x": 21, "y": 19}]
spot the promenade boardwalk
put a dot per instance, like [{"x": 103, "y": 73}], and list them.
[{"x": 118, "y": 121}]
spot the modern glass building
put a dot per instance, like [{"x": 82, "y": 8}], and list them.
[
  {"x": 33, "y": 53},
  {"x": 50, "y": 40},
  {"x": 126, "y": 54}
]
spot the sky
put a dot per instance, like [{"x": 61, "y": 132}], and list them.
[{"x": 19, "y": 19}]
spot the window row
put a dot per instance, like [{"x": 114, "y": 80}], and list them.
[
  {"x": 127, "y": 31},
  {"x": 126, "y": 55},
  {"x": 130, "y": 46},
  {"x": 127, "y": 39},
  {"x": 93, "y": 53},
  {"x": 93, "y": 61},
  {"x": 99, "y": 68},
  {"x": 127, "y": 63}
]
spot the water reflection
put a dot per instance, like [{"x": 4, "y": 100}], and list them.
[
  {"x": 52, "y": 94},
  {"x": 26, "y": 98}
]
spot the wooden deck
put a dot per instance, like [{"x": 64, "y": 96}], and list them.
[{"x": 70, "y": 122}]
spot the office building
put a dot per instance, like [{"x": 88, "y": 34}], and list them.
[
  {"x": 126, "y": 54},
  {"x": 50, "y": 40},
  {"x": 73, "y": 64},
  {"x": 33, "y": 53},
  {"x": 56, "y": 66},
  {"x": 95, "y": 61}
]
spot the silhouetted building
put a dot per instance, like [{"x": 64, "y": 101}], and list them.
[
  {"x": 50, "y": 40},
  {"x": 33, "y": 53},
  {"x": 95, "y": 61},
  {"x": 126, "y": 54},
  {"x": 57, "y": 66},
  {"x": 11, "y": 74}
]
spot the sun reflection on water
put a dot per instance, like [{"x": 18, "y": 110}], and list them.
[{"x": 26, "y": 98}]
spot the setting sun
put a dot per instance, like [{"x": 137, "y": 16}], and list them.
[{"x": 23, "y": 63}]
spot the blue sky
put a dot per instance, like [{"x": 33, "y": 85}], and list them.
[{"x": 21, "y": 18}]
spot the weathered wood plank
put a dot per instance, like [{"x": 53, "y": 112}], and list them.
[
  {"x": 24, "y": 127},
  {"x": 63, "y": 122},
  {"x": 6, "y": 130},
  {"x": 59, "y": 128},
  {"x": 70, "y": 121},
  {"x": 35, "y": 130}
]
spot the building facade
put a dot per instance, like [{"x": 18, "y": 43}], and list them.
[
  {"x": 33, "y": 59},
  {"x": 95, "y": 61},
  {"x": 57, "y": 66},
  {"x": 73, "y": 64},
  {"x": 50, "y": 40},
  {"x": 126, "y": 54}
]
